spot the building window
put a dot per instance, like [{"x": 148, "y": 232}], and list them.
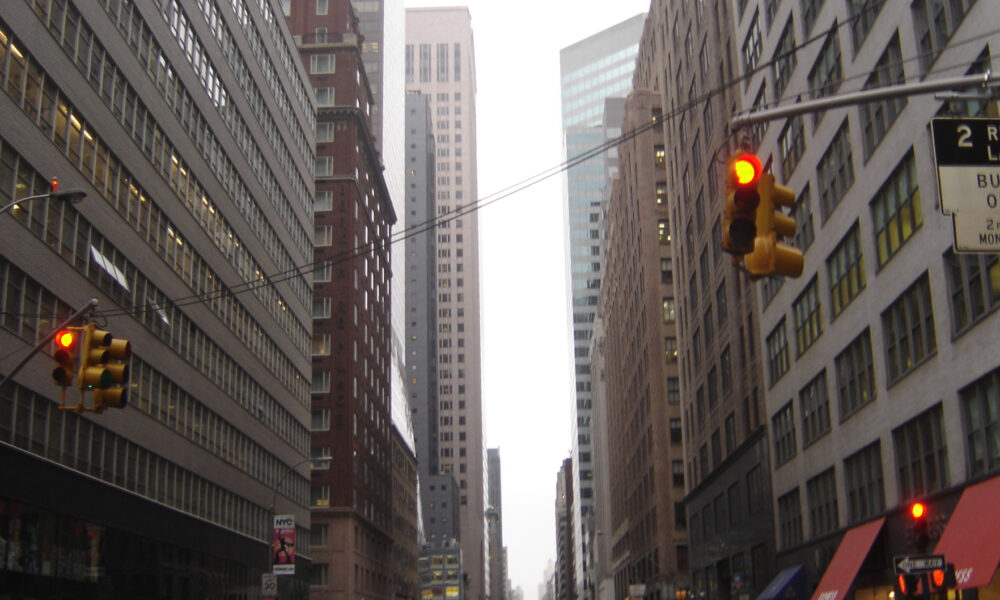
[
  {"x": 777, "y": 353},
  {"x": 726, "y": 370},
  {"x": 784, "y": 434},
  {"x": 660, "y": 155},
  {"x": 669, "y": 310},
  {"x": 981, "y": 410},
  {"x": 810, "y": 11},
  {"x": 663, "y": 231},
  {"x": 678, "y": 471},
  {"x": 676, "y": 434},
  {"x": 320, "y": 456},
  {"x": 321, "y": 344},
  {"x": 822, "y": 496},
  {"x": 752, "y": 47},
  {"x": 802, "y": 213},
  {"x": 814, "y": 404},
  {"x": 324, "y": 96},
  {"x": 826, "y": 72},
  {"x": 896, "y": 210},
  {"x": 324, "y": 132},
  {"x": 673, "y": 390},
  {"x": 974, "y": 287},
  {"x": 790, "y": 519},
  {"x": 835, "y": 172},
  {"x": 670, "y": 348},
  {"x": 319, "y": 574},
  {"x": 661, "y": 193},
  {"x": 934, "y": 22},
  {"x": 322, "y": 63},
  {"x": 921, "y": 455},
  {"x": 319, "y": 535},
  {"x": 425, "y": 63},
  {"x": 323, "y": 235},
  {"x": 442, "y": 62},
  {"x": 321, "y": 7},
  {"x": 666, "y": 271},
  {"x": 878, "y": 117},
  {"x": 846, "y": 270},
  {"x": 458, "y": 66},
  {"x": 320, "y": 419},
  {"x": 862, "y": 15},
  {"x": 865, "y": 489},
  {"x": 785, "y": 59},
  {"x": 792, "y": 144},
  {"x": 855, "y": 375},
  {"x": 320, "y": 382},
  {"x": 808, "y": 323},
  {"x": 319, "y": 496},
  {"x": 324, "y": 166},
  {"x": 908, "y": 330}
]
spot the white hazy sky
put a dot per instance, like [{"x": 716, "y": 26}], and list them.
[{"x": 527, "y": 353}]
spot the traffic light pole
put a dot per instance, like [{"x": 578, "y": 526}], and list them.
[
  {"x": 91, "y": 305},
  {"x": 986, "y": 80}
]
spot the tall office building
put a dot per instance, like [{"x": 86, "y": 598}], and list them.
[
  {"x": 563, "y": 582},
  {"x": 688, "y": 53},
  {"x": 494, "y": 518},
  {"x": 638, "y": 357},
  {"x": 591, "y": 70},
  {"x": 440, "y": 63},
  {"x": 352, "y": 499},
  {"x": 882, "y": 374},
  {"x": 189, "y": 125}
]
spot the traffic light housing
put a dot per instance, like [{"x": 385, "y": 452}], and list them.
[
  {"x": 66, "y": 344},
  {"x": 739, "y": 218},
  {"x": 104, "y": 367},
  {"x": 769, "y": 256}
]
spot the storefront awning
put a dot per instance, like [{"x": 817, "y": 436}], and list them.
[
  {"x": 970, "y": 541},
  {"x": 789, "y": 584},
  {"x": 847, "y": 560}
]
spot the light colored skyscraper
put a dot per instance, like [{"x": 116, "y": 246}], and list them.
[
  {"x": 592, "y": 70},
  {"x": 440, "y": 63}
]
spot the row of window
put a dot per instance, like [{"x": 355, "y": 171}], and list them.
[
  {"x": 30, "y": 312},
  {"x": 47, "y": 106},
  {"x": 36, "y": 425},
  {"x": 441, "y": 62}
]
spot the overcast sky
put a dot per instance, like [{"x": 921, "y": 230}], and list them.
[{"x": 527, "y": 352}]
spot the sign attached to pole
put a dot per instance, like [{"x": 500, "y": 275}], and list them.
[
  {"x": 269, "y": 585},
  {"x": 283, "y": 545},
  {"x": 967, "y": 155},
  {"x": 918, "y": 563}
]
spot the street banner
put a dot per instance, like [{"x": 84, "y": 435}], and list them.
[{"x": 283, "y": 545}]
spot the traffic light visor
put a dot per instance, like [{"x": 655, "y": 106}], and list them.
[
  {"x": 746, "y": 169},
  {"x": 918, "y": 510},
  {"x": 65, "y": 339}
]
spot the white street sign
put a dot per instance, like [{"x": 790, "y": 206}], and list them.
[
  {"x": 969, "y": 188},
  {"x": 269, "y": 584},
  {"x": 919, "y": 564},
  {"x": 977, "y": 231}
]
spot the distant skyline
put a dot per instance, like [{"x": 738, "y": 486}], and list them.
[{"x": 527, "y": 341}]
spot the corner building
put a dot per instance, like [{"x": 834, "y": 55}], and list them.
[
  {"x": 352, "y": 496},
  {"x": 882, "y": 374},
  {"x": 440, "y": 64},
  {"x": 189, "y": 125}
]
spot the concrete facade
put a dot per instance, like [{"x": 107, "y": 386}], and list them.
[{"x": 196, "y": 155}]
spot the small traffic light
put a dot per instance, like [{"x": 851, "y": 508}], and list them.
[
  {"x": 769, "y": 256},
  {"x": 919, "y": 525},
  {"x": 54, "y": 186},
  {"x": 739, "y": 216},
  {"x": 93, "y": 356},
  {"x": 115, "y": 395},
  {"x": 906, "y": 585},
  {"x": 65, "y": 345},
  {"x": 943, "y": 579}
]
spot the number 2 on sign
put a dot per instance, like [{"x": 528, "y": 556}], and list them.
[{"x": 964, "y": 133}]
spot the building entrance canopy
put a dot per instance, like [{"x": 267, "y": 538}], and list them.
[
  {"x": 971, "y": 541},
  {"x": 848, "y": 559}
]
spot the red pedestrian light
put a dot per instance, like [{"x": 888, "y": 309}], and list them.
[{"x": 918, "y": 510}]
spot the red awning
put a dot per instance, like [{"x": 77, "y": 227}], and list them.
[
  {"x": 971, "y": 541},
  {"x": 847, "y": 560}
]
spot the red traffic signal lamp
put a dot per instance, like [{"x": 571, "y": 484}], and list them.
[
  {"x": 65, "y": 346},
  {"x": 919, "y": 525},
  {"x": 943, "y": 579},
  {"x": 739, "y": 220},
  {"x": 906, "y": 585},
  {"x": 769, "y": 256}
]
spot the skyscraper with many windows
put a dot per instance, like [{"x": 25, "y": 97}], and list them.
[
  {"x": 591, "y": 70},
  {"x": 440, "y": 63},
  {"x": 190, "y": 127}
]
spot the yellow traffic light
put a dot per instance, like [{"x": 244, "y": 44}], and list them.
[
  {"x": 115, "y": 395},
  {"x": 769, "y": 256},
  {"x": 742, "y": 199},
  {"x": 65, "y": 345},
  {"x": 93, "y": 356}
]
